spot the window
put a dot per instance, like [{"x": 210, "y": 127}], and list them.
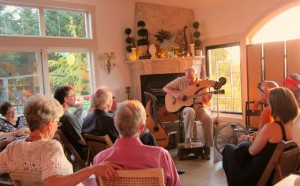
[
  {"x": 71, "y": 68},
  {"x": 65, "y": 24},
  {"x": 16, "y": 20},
  {"x": 19, "y": 20},
  {"x": 26, "y": 69},
  {"x": 224, "y": 61},
  {"x": 18, "y": 77}
]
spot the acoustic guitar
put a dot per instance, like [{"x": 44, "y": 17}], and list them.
[
  {"x": 154, "y": 126},
  {"x": 174, "y": 105},
  {"x": 190, "y": 93}
]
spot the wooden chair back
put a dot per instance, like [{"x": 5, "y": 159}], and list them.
[
  {"x": 69, "y": 150},
  {"x": 285, "y": 160},
  {"x": 95, "y": 145},
  {"x": 137, "y": 177},
  {"x": 26, "y": 178}
]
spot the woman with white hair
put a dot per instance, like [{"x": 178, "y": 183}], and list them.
[{"x": 40, "y": 154}]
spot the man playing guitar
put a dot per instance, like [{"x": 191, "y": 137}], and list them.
[{"x": 198, "y": 110}]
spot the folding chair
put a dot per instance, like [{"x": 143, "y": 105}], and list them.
[
  {"x": 26, "y": 178},
  {"x": 95, "y": 145},
  {"x": 137, "y": 177},
  {"x": 69, "y": 150},
  {"x": 285, "y": 160}
]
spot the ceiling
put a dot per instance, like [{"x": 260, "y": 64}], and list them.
[{"x": 191, "y": 4}]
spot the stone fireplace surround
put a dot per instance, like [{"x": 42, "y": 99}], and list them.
[{"x": 159, "y": 66}]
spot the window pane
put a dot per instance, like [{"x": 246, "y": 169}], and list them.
[
  {"x": 18, "y": 77},
  {"x": 225, "y": 62},
  {"x": 71, "y": 69},
  {"x": 16, "y": 20},
  {"x": 65, "y": 24}
]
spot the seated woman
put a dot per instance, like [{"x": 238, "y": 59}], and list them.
[
  {"x": 245, "y": 165},
  {"x": 10, "y": 124},
  {"x": 40, "y": 154}
]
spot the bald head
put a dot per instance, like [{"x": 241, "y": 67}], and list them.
[{"x": 267, "y": 85}]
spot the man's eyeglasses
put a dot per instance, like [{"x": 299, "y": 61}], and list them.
[
  {"x": 260, "y": 89},
  {"x": 72, "y": 96}
]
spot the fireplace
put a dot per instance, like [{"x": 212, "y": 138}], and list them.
[{"x": 153, "y": 84}]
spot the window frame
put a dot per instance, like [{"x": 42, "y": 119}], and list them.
[
  {"x": 220, "y": 46},
  {"x": 42, "y": 44}
]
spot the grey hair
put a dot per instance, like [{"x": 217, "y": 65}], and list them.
[
  {"x": 130, "y": 115},
  {"x": 40, "y": 109},
  {"x": 101, "y": 97}
]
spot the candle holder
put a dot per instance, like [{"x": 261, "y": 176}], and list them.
[{"x": 128, "y": 92}]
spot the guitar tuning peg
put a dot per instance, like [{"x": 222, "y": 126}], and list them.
[{"x": 222, "y": 80}]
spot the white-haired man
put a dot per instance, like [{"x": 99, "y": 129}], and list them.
[{"x": 129, "y": 152}]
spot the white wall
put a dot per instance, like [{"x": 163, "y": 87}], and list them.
[{"x": 113, "y": 16}]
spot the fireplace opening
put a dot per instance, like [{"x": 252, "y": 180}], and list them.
[{"x": 154, "y": 83}]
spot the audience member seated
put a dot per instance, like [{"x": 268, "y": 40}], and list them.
[
  {"x": 245, "y": 164},
  {"x": 71, "y": 126},
  {"x": 265, "y": 116},
  {"x": 100, "y": 123},
  {"x": 292, "y": 82},
  {"x": 40, "y": 154},
  {"x": 129, "y": 152},
  {"x": 10, "y": 124},
  {"x": 114, "y": 106},
  {"x": 296, "y": 131}
]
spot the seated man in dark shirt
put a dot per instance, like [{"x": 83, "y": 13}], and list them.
[
  {"x": 71, "y": 126},
  {"x": 100, "y": 122}
]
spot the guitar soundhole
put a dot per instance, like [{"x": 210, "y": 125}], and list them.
[
  {"x": 155, "y": 129},
  {"x": 197, "y": 85},
  {"x": 184, "y": 98}
]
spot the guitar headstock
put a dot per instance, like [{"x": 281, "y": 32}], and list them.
[{"x": 220, "y": 83}]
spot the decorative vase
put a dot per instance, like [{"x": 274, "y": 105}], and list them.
[
  {"x": 152, "y": 51},
  {"x": 198, "y": 52},
  {"x": 192, "y": 49},
  {"x": 133, "y": 54}
]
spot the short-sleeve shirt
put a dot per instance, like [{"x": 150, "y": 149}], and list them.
[
  {"x": 71, "y": 128},
  {"x": 41, "y": 156},
  {"x": 179, "y": 83}
]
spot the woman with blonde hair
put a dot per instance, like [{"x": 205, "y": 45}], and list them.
[{"x": 40, "y": 154}]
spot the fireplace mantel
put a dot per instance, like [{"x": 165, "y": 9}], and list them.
[{"x": 159, "y": 66}]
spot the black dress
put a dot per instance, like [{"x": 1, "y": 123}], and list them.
[{"x": 249, "y": 171}]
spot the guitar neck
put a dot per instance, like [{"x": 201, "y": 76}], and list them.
[{"x": 197, "y": 95}]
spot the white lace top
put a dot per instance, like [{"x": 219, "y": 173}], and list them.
[{"x": 45, "y": 156}]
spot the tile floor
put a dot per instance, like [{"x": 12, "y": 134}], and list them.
[{"x": 200, "y": 172}]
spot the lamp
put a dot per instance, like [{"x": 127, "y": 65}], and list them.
[{"x": 109, "y": 61}]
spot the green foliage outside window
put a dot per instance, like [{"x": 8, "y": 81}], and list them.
[{"x": 225, "y": 62}]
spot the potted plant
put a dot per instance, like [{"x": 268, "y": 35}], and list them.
[
  {"x": 197, "y": 41},
  {"x": 142, "y": 41},
  {"x": 163, "y": 35},
  {"x": 130, "y": 45}
]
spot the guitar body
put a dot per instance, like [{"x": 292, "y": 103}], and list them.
[
  {"x": 156, "y": 128},
  {"x": 174, "y": 105}
]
